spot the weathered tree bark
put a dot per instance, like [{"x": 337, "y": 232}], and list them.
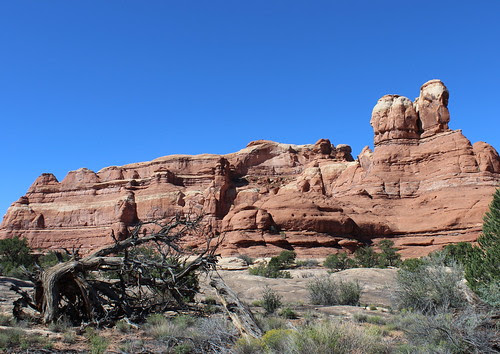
[
  {"x": 243, "y": 319},
  {"x": 65, "y": 285},
  {"x": 63, "y": 274}
]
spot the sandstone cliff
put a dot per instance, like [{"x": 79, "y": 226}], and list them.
[{"x": 424, "y": 185}]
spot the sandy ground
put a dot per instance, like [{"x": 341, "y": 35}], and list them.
[{"x": 376, "y": 284}]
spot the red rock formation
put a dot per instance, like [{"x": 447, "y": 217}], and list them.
[{"x": 423, "y": 185}]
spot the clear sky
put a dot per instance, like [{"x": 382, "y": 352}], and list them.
[{"x": 99, "y": 83}]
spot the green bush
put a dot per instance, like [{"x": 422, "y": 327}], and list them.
[
  {"x": 14, "y": 254},
  {"x": 286, "y": 259},
  {"x": 52, "y": 258},
  {"x": 366, "y": 257},
  {"x": 249, "y": 345},
  {"x": 269, "y": 270},
  {"x": 277, "y": 340},
  {"x": 307, "y": 263},
  {"x": 98, "y": 344},
  {"x": 318, "y": 338},
  {"x": 490, "y": 293},
  {"x": 246, "y": 258},
  {"x": 339, "y": 261},
  {"x": 183, "y": 348},
  {"x": 326, "y": 291},
  {"x": 412, "y": 264},
  {"x": 6, "y": 320},
  {"x": 156, "y": 319},
  {"x": 336, "y": 337},
  {"x": 288, "y": 313},
  {"x": 271, "y": 301},
  {"x": 388, "y": 256},
  {"x": 122, "y": 326},
  {"x": 430, "y": 287},
  {"x": 482, "y": 268},
  {"x": 480, "y": 263},
  {"x": 464, "y": 332},
  {"x": 274, "y": 268},
  {"x": 69, "y": 337},
  {"x": 267, "y": 323}
]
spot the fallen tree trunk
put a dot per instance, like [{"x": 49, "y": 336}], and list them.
[
  {"x": 130, "y": 278},
  {"x": 243, "y": 319}
]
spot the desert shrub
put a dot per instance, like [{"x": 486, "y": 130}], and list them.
[
  {"x": 166, "y": 330},
  {"x": 59, "y": 326},
  {"x": 10, "y": 338},
  {"x": 490, "y": 293},
  {"x": 307, "y": 263},
  {"x": 378, "y": 320},
  {"x": 13, "y": 339},
  {"x": 278, "y": 340},
  {"x": 412, "y": 264},
  {"x": 267, "y": 323},
  {"x": 132, "y": 346},
  {"x": 98, "y": 344},
  {"x": 430, "y": 288},
  {"x": 336, "y": 337},
  {"x": 388, "y": 256},
  {"x": 288, "y": 313},
  {"x": 463, "y": 332},
  {"x": 183, "y": 348},
  {"x": 185, "y": 333},
  {"x": 156, "y": 319},
  {"x": 184, "y": 321},
  {"x": 271, "y": 301},
  {"x": 249, "y": 345},
  {"x": 216, "y": 333},
  {"x": 69, "y": 337},
  {"x": 364, "y": 318},
  {"x": 285, "y": 259},
  {"x": 360, "y": 317},
  {"x": 210, "y": 300},
  {"x": 339, "y": 261},
  {"x": 15, "y": 254},
  {"x": 246, "y": 258},
  {"x": 457, "y": 253},
  {"x": 366, "y": 257},
  {"x": 274, "y": 268},
  {"x": 51, "y": 258},
  {"x": 264, "y": 270},
  {"x": 122, "y": 326},
  {"x": 326, "y": 291},
  {"x": 318, "y": 338},
  {"x": 6, "y": 320}
]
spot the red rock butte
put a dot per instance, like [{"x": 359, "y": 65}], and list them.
[{"x": 423, "y": 186}]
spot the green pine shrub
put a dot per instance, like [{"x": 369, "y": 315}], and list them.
[{"x": 339, "y": 261}]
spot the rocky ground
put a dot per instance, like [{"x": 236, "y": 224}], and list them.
[
  {"x": 377, "y": 284},
  {"x": 376, "y": 300}
]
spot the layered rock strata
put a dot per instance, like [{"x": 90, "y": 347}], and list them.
[{"x": 424, "y": 186}]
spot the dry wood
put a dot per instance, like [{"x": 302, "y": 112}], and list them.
[
  {"x": 243, "y": 319},
  {"x": 146, "y": 281}
]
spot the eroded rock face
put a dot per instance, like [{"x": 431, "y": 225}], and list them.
[
  {"x": 432, "y": 108},
  {"x": 423, "y": 185}
]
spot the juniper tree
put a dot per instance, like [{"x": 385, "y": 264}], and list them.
[{"x": 481, "y": 269}]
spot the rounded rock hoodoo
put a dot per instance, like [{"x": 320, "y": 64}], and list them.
[{"x": 432, "y": 108}]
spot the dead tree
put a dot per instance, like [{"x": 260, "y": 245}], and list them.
[
  {"x": 148, "y": 271},
  {"x": 241, "y": 316}
]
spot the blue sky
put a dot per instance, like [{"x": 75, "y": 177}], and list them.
[{"x": 99, "y": 83}]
